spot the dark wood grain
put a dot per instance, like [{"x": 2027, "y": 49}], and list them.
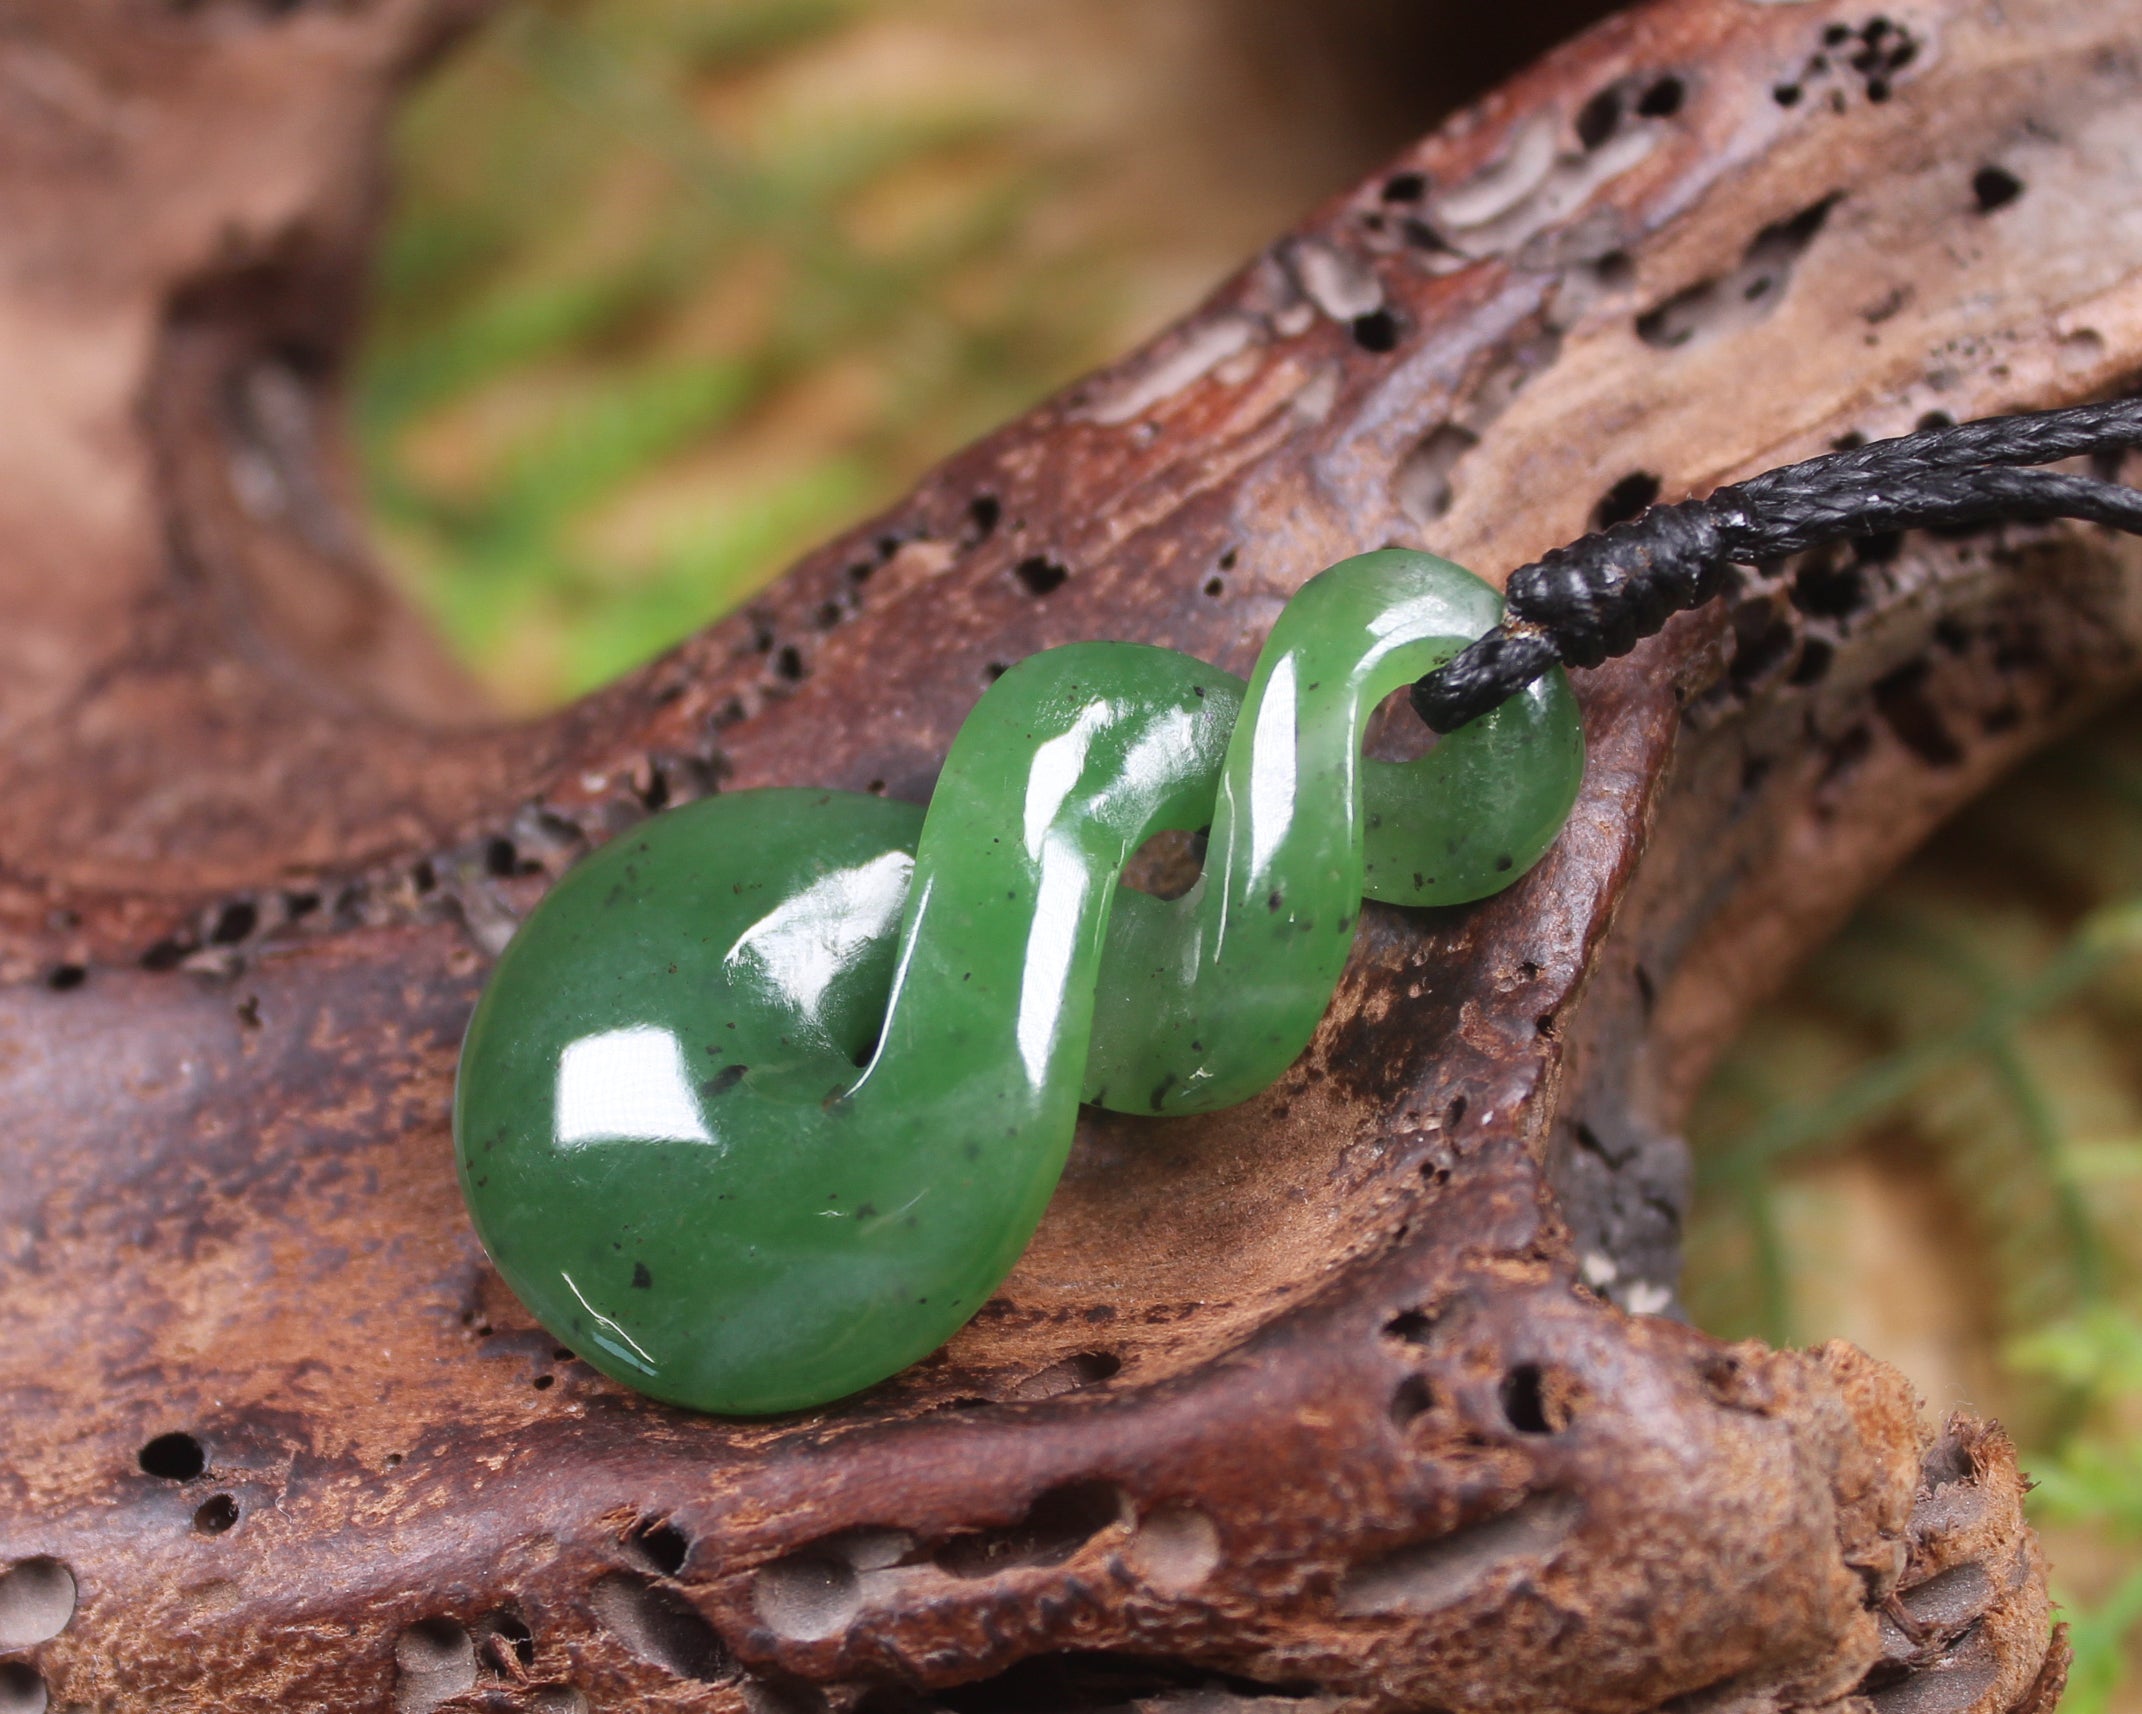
[{"x": 1360, "y": 1396}]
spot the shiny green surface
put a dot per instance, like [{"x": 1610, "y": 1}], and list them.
[{"x": 767, "y": 1096}]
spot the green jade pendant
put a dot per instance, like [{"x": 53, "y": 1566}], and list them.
[{"x": 767, "y": 1096}]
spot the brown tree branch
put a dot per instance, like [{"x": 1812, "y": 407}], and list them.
[{"x": 1355, "y": 1397}]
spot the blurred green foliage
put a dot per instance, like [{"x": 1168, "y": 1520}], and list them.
[
  {"x": 1975, "y": 1029},
  {"x": 630, "y": 246}
]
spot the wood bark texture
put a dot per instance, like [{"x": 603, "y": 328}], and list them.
[{"x": 1365, "y": 1396}]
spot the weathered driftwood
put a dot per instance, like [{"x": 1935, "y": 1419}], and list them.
[{"x": 1356, "y": 1397}]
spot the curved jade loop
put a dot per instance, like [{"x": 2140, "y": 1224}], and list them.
[{"x": 767, "y": 1096}]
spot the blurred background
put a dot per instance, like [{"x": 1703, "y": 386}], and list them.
[{"x": 674, "y": 289}]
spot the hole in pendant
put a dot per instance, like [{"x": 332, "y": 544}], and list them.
[
  {"x": 1167, "y": 865},
  {"x": 1394, "y": 732}
]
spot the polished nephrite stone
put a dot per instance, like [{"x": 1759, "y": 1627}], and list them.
[{"x": 768, "y": 1095}]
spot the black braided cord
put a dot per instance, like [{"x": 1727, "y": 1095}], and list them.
[{"x": 1599, "y": 596}]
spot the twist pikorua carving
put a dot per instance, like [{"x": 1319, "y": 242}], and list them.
[{"x": 768, "y": 1095}]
